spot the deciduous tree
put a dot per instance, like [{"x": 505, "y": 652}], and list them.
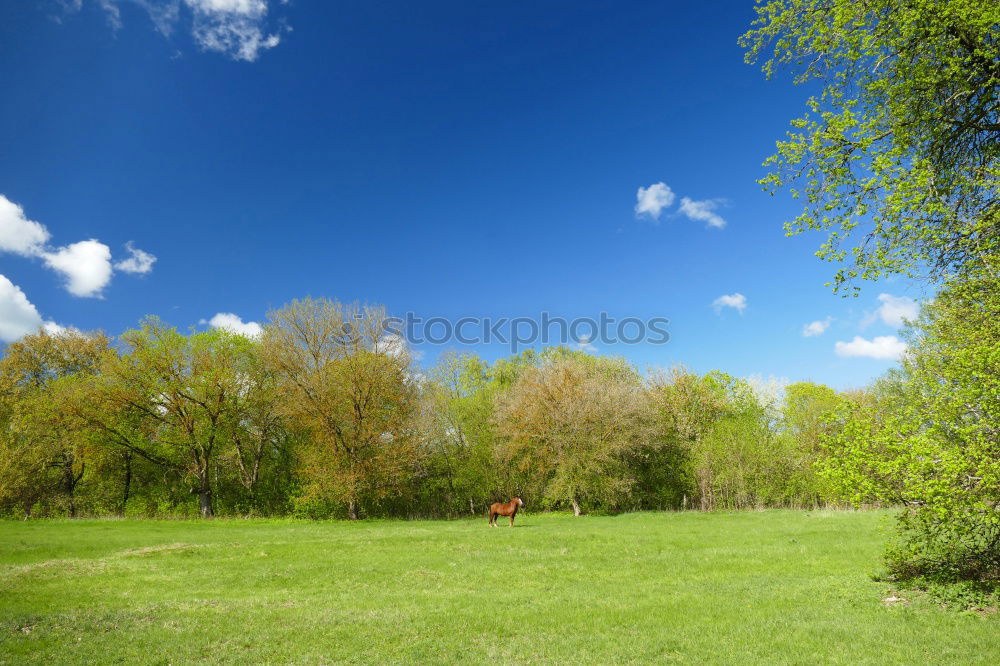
[
  {"x": 576, "y": 422},
  {"x": 44, "y": 452},
  {"x": 346, "y": 380},
  {"x": 930, "y": 440},
  {"x": 898, "y": 157},
  {"x": 175, "y": 400}
]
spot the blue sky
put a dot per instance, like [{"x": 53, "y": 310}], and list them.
[{"x": 445, "y": 158}]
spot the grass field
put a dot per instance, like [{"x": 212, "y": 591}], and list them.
[{"x": 766, "y": 587}]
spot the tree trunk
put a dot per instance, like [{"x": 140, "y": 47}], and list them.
[
  {"x": 69, "y": 484},
  {"x": 352, "y": 510},
  {"x": 705, "y": 500},
  {"x": 576, "y": 507},
  {"x": 472, "y": 507},
  {"x": 127, "y": 482},
  {"x": 205, "y": 496}
]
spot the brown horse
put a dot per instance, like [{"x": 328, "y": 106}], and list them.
[{"x": 508, "y": 509}]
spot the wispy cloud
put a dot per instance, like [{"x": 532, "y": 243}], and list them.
[
  {"x": 882, "y": 347},
  {"x": 233, "y": 27},
  {"x": 113, "y": 13},
  {"x": 817, "y": 327},
  {"x": 164, "y": 14},
  {"x": 139, "y": 261},
  {"x": 653, "y": 200},
  {"x": 703, "y": 211},
  {"x": 237, "y": 28},
  {"x": 650, "y": 201},
  {"x": 736, "y": 301}
]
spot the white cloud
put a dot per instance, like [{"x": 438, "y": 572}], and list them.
[
  {"x": 244, "y": 7},
  {"x": 164, "y": 15},
  {"x": 737, "y": 301},
  {"x": 113, "y": 12},
  {"x": 234, "y": 324},
  {"x": 18, "y": 316},
  {"x": 817, "y": 327},
  {"x": 18, "y": 234},
  {"x": 53, "y": 328},
  {"x": 139, "y": 261},
  {"x": 651, "y": 201},
  {"x": 86, "y": 266},
  {"x": 233, "y": 27},
  {"x": 883, "y": 347},
  {"x": 236, "y": 28},
  {"x": 895, "y": 309},
  {"x": 703, "y": 211}
]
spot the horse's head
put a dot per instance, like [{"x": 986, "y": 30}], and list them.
[{"x": 518, "y": 500}]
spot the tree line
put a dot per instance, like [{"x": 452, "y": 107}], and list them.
[{"x": 324, "y": 415}]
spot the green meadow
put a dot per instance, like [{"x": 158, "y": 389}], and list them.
[{"x": 753, "y": 587}]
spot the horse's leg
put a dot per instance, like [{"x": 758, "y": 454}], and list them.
[{"x": 512, "y": 519}]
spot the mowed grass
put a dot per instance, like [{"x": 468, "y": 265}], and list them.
[{"x": 763, "y": 587}]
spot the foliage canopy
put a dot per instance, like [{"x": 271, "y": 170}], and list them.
[{"x": 898, "y": 156}]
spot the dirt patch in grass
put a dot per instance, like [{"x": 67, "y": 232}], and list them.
[{"x": 152, "y": 550}]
